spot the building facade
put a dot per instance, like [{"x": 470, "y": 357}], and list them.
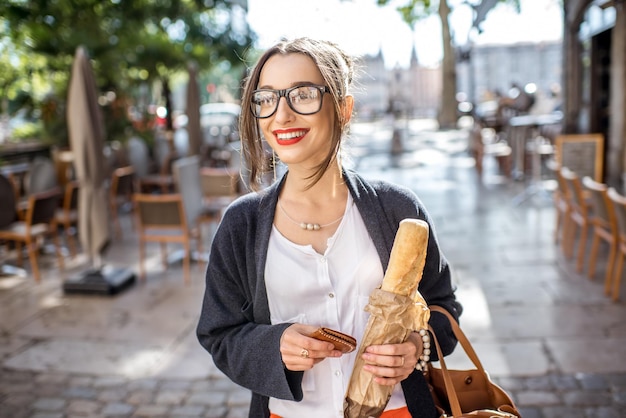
[
  {"x": 413, "y": 91},
  {"x": 493, "y": 69}
]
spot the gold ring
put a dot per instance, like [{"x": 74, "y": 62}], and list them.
[
  {"x": 304, "y": 353},
  {"x": 402, "y": 365}
]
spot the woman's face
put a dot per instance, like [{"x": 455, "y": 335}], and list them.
[{"x": 298, "y": 140}]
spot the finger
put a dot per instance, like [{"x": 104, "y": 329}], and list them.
[
  {"x": 385, "y": 361},
  {"x": 388, "y": 376},
  {"x": 406, "y": 348}
]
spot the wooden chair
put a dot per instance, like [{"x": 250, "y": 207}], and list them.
[
  {"x": 219, "y": 189},
  {"x": 562, "y": 208},
  {"x": 579, "y": 216},
  {"x": 604, "y": 225},
  {"x": 161, "y": 218},
  {"x": 619, "y": 204},
  {"x": 67, "y": 215},
  {"x": 39, "y": 222},
  {"x": 121, "y": 194}
]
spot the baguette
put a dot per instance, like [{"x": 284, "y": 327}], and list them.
[{"x": 407, "y": 259}]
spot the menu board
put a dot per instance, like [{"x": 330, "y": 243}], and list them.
[{"x": 581, "y": 153}]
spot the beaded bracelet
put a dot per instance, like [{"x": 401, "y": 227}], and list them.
[{"x": 422, "y": 364}]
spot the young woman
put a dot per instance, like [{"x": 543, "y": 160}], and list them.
[{"x": 308, "y": 250}]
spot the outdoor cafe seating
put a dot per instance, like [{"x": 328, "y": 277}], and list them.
[
  {"x": 619, "y": 204},
  {"x": 67, "y": 215},
  {"x": 162, "y": 218},
  {"x": 603, "y": 225},
  {"x": 39, "y": 222}
]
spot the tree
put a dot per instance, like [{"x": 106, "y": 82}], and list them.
[
  {"x": 130, "y": 42},
  {"x": 414, "y": 10}
]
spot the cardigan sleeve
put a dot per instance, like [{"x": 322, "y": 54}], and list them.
[{"x": 243, "y": 347}]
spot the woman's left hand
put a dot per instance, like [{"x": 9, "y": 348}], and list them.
[{"x": 392, "y": 363}]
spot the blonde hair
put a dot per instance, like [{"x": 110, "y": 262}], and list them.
[{"x": 337, "y": 69}]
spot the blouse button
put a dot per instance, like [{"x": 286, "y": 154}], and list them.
[{"x": 331, "y": 295}]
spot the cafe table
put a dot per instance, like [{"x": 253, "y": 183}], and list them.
[{"x": 525, "y": 134}]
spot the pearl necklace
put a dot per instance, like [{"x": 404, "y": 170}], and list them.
[{"x": 306, "y": 225}]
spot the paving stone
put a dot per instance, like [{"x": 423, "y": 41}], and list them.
[
  {"x": 112, "y": 395},
  {"x": 170, "y": 397},
  {"x": 176, "y": 385},
  {"x": 217, "y": 412},
  {"x": 49, "y": 389},
  {"x": 18, "y": 387},
  {"x": 83, "y": 407},
  {"x": 152, "y": 411},
  {"x": 587, "y": 398},
  {"x": 53, "y": 378},
  {"x": 82, "y": 381},
  {"x": 537, "y": 398},
  {"x": 188, "y": 411},
  {"x": 539, "y": 383},
  {"x": 530, "y": 412},
  {"x": 118, "y": 409},
  {"x": 239, "y": 397},
  {"x": 617, "y": 380},
  {"x": 143, "y": 384},
  {"x": 49, "y": 404},
  {"x": 510, "y": 383},
  {"x": 560, "y": 382},
  {"x": 238, "y": 412},
  {"x": 139, "y": 397},
  {"x": 109, "y": 381},
  {"x": 81, "y": 392},
  {"x": 19, "y": 399},
  {"x": 563, "y": 412},
  {"x": 8, "y": 411},
  {"x": 210, "y": 399},
  {"x": 604, "y": 412},
  {"x": 591, "y": 381}
]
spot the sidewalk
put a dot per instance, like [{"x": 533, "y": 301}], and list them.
[{"x": 544, "y": 332}]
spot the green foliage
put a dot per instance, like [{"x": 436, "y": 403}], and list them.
[
  {"x": 131, "y": 43},
  {"x": 29, "y": 130},
  {"x": 415, "y": 10}
]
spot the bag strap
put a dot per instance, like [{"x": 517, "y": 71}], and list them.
[
  {"x": 469, "y": 351},
  {"x": 460, "y": 336},
  {"x": 453, "y": 400}
]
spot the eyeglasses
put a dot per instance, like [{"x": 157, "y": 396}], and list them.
[{"x": 305, "y": 100}]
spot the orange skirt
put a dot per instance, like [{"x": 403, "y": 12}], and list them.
[{"x": 395, "y": 413}]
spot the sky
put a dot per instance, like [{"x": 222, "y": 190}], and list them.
[{"x": 363, "y": 28}]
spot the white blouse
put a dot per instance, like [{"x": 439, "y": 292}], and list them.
[{"x": 329, "y": 290}]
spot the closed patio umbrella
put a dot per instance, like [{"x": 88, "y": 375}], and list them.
[
  {"x": 194, "y": 129},
  {"x": 86, "y": 134},
  {"x": 86, "y": 137}
]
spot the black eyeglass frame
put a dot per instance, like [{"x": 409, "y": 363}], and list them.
[{"x": 284, "y": 93}]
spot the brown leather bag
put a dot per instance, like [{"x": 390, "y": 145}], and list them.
[{"x": 466, "y": 393}]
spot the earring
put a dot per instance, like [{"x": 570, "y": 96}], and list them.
[{"x": 274, "y": 164}]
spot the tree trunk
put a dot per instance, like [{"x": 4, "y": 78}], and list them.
[{"x": 447, "y": 117}]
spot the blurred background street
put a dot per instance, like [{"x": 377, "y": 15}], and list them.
[
  {"x": 505, "y": 117},
  {"x": 545, "y": 332}
]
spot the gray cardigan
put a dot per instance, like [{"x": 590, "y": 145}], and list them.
[{"x": 234, "y": 324}]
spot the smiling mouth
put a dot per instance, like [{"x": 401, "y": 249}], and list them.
[{"x": 291, "y": 137}]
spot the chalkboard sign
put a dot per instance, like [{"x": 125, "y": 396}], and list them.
[{"x": 581, "y": 153}]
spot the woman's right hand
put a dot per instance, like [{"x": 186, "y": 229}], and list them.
[{"x": 300, "y": 352}]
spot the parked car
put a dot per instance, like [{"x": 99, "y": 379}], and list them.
[{"x": 219, "y": 123}]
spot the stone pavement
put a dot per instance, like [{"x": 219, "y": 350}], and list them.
[{"x": 545, "y": 333}]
